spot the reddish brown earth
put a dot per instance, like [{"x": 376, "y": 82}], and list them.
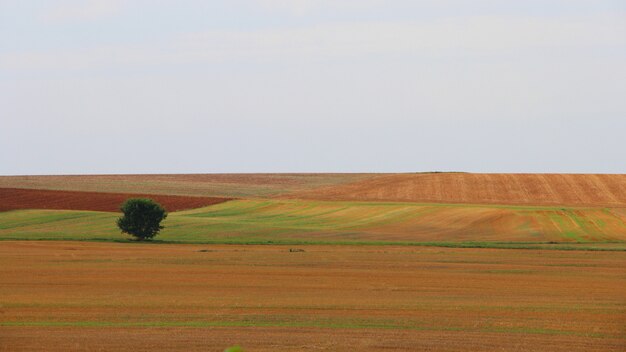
[
  {"x": 81, "y": 296},
  {"x": 531, "y": 189},
  {"x": 15, "y": 198}
]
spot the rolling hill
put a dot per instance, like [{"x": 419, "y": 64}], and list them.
[
  {"x": 520, "y": 189},
  {"x": 196, "y": 185}
]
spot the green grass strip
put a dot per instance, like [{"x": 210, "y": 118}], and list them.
[
  {"x": 291, "y": 324},
  {"x": 236, "y": 241}
]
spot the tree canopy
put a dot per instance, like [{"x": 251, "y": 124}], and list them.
[{"x": 142, "y": 218}]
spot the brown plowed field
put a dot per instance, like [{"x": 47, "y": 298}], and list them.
[
  {"x": 15, "y": 198},
  {"x": 531, "y": 189},
  {"x": 81, "y": 296}
]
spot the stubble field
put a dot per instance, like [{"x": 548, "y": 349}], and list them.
[{"x": 61, "y": 296}]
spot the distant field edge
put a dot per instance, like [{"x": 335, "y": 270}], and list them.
[
  {"x": 555, "y": 246},
  {"x": 597, "y": 190}
]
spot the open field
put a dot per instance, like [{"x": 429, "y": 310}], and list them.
[
  {"x": 16, "y": 198},
  {"x": 371, "y": 271},
  {"x": 293, "y": 221},
  {"x": 530, "y": 189},
  {"x": 526, "y": 189},
  {"x": 206, "y": 185},
  {"x": 61, "y": 296}
]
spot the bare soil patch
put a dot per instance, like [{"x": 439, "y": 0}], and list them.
[{"x": 15, "y": 198}]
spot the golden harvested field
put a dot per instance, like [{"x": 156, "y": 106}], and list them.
[
  {"x": 529, "y": 189},
  {"x": 522, "y": 189},
  {"x": 61, "y": 296}
]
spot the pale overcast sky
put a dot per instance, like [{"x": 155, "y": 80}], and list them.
[{"x": 312, "y": 85}]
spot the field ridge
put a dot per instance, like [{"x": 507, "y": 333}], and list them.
[{"x": 597, "y": 190}]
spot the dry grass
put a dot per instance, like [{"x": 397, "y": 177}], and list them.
[
  {"x": 531, "y": 189},
  {"x": 61, "y": 296}
]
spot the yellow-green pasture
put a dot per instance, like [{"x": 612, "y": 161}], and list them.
[{"x": 293, "y": 221}]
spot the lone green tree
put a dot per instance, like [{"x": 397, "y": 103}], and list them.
[{"x": 142, "y": 218}]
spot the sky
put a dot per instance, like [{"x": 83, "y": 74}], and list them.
[{"x": 147, "y": 86}]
